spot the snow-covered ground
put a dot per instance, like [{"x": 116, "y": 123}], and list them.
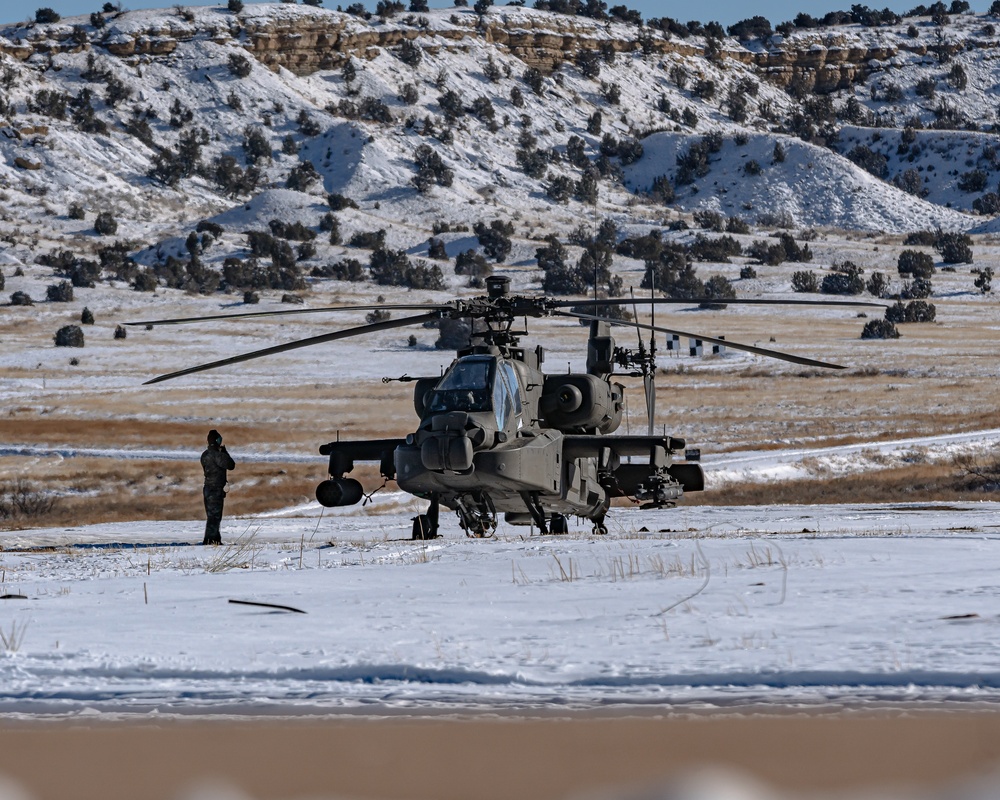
[
  {"x": 792, "y": 464},
  {"x": 711, "y": 606},
  {"x": 692, "y": 606}
]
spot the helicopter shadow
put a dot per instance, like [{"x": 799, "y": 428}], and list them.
[{"x": 52, "y": 548}]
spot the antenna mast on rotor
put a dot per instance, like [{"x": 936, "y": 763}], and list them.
[
  {"x": 594, "y": 239},
  {"x": 649, "y": 379}
]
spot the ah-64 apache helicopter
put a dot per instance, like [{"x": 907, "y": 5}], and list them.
[{"x": 497, "y": 434}]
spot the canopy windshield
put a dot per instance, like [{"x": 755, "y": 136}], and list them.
[{"x": 466, "y": 386}]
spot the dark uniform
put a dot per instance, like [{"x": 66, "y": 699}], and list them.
[{"x": 215, "y": 461}]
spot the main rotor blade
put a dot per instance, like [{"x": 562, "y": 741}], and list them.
[
  {"x": 290, "y": 311},
  {"x": 749, "y": 301},
  {"x": 749, "y": 348},
  {"x": 283, "y": 348}
]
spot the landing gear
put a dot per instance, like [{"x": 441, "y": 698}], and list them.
[
  {"x": 425, "y": 526},
  {"x": 422, "y": 528},
  {"x": 535, "y": 509},
  {"x": 558, "y": 524},
  {"x": 476, "y": 514},
  {"x": 600, "y": 529}
]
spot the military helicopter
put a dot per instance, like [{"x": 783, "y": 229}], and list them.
[{"x": 496, "y": 434}]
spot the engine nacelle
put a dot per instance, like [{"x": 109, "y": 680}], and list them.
[
  {"x": 339, "y": 492},
  {"x": 581, "y": 402}
]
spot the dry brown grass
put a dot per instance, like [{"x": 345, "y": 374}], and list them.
[
  {"x": 922, "y": 482},
  {"x": 755, "y": 409},
  {"x": 92, "y": 491},
  {"x": 780, "y": 410},
  {"x": 937, "y": 379},
  {"x": 298, "y": 418}
]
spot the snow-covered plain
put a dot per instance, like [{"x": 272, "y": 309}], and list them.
[
  {"x": 704, "y": 607},
  {"x": 701, "y": 606}
]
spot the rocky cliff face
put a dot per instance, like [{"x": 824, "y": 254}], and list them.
[{"x": 306, "y": 42}]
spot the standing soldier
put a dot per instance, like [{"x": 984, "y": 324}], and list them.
[{"x": 215, "y": 461}]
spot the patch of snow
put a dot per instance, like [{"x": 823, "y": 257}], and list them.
[{"x": 707, "y": 606}]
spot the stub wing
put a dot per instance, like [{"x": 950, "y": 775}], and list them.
[
  {"x": 626, "y": 479},
  {"x": 344, "y": 454}
]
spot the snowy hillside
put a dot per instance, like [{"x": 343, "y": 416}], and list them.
[
  {"x": 809, "y": 184},
  {"x": 133, "y": 118}
]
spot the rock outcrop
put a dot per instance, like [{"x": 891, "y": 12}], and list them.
[{"x": 304, "y": 41}]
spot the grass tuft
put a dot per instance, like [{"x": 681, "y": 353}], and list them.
[
  {"x": 569, "y": 573},
  {"x": 240, "y": 554},
  {"x": 13, "y": 639}
]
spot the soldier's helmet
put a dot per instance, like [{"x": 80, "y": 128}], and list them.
[{"x": 214, "y": 437}]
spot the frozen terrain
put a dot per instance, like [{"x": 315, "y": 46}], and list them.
[
  {"x": 695, "y": 606},
  {"x": 908, "y": 106},
  {"x": 706, "y": 607}
]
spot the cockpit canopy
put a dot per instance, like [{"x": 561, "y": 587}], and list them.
[{"x": 476, "y": 384}]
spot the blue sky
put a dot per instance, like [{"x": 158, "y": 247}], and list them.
[{"x": 725, "y": 11}]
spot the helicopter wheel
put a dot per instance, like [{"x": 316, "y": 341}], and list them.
[
  {"x": 600, "y": 529},
  {"x": 422, "y": 528},
  {"x": 479, "y": 522},
  {"x": 477, "y": 527},
  {"x": 558, "y": 524}
]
